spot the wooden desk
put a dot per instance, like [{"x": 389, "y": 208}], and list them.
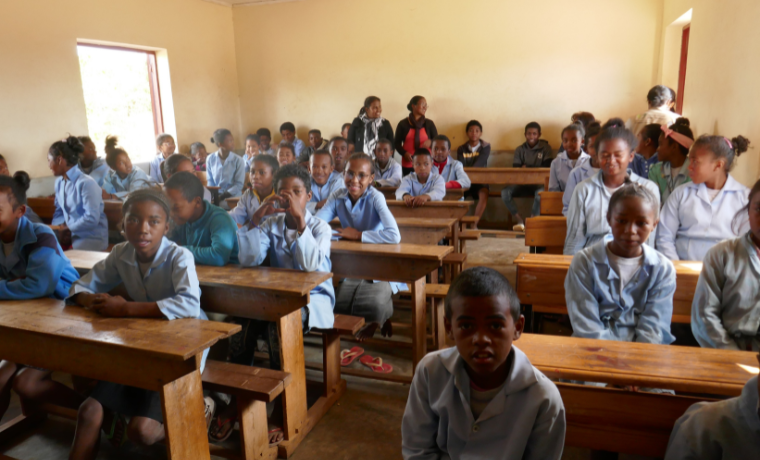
[
  {"x": 541, "y": 283},
  {"x": 232, "y": 202},
  {"x": 419, "y": 230},
  {"x": 405, "y": 263},
  {"x": 45, "y": 333},
  {"x": 434, "y": 210},
  {"x": 546, "y": 231},
  {"x": 551, "y": 203},
  {"x": 509, "y": 176},
  {"x": 270, "y": 294},
  {"x": 45, "y": 208},
  {"x": 452, "y": 194}
]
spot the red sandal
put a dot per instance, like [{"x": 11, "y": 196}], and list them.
[
  {"x": 376, "y": 364},
  {"x": 349, "y": 356}
]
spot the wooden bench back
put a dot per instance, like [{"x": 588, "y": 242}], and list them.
[
  {"x": 435, "y": 209},
  {"x": 45, "y": 208},
  {"x": 546, "y": 231},
  {"x": 551, "y": 203}
]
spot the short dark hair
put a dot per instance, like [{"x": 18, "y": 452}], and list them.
[
  {"x": 161, "y": 138},
  {"x": 472, "y": 123},
  {"x": 384, "y": 140},
  {"x": 16, "y": 186},
  {"x": 345, "y": 125},
  {"x": 287, "y": 126},
  {"x": 269, "y": 160},
  {"x": 443, "y": 137},
  {"x": 534, "y": 125},
  {"x": 264, "y": 132},
  {"x": 577, "y": 127},
  {"x": 482, "y": 282},
  {"x": 337, "y": 139},
  {"x": 323, "y": 152},
  {"x": 652, "y": 132},
  {"x": 292, "y": 170},
  {"x": 84, "y": 139},
  {"x": 195, "y": 146},
  {"x": 220, "y": 135},
  {"x": 616, "y": 132},
  {"x": 288, "y": 146},
  {"x": 187, "y": 183},
  {"x": 659, "y": 95},
  {"x": 253, "y": 137},
  {"x": 593, "y": 129},
  {"x": 146, "y": 194},
  {"x": 422, "y": 152},
  {"x": 584, "y": 117},
  {"x": 170, "y": 165},
  {"x": 362, "y": 157},
  {"x": 315, "y": 131},
  {"x": 633, "y": 189},
  {"x": 69, "y": 148}
]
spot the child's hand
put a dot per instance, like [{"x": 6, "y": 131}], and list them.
[
  {"x": 409, "y": 200},
  {"x": 106, "y": 195},
  {"x": 321, "y": 204},
  {"x": 407, "y": 157},
  {"x": 349, "y": 233},
  {"x": 426, "y": 144},
  {"x": 421, "y": 200},
  {"x": 295, "y": 211},
  {"x": 108, "y": 305},
  {"x": 268, "y": 207},
  {"x": 85, "y": 299}
]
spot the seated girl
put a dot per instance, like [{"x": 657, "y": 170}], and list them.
[
  {"x": 78, "y": 219},
  {"x": 647, "y": 143},
  {"x": 701, "y": 213},
  {"x": 123, "y": 177},
  {"x": 90, "y": 163},
  {"x": 160, "y": 279},
  {"x": 286, "y": 154},
  {"x": 324, "y": 180},
  {"x": 32, "y": 265},
  {"x": 673, "y": 153},
  {"x": 263, "y": 169},
  {"x": 4, "y": 171},
  {"x": 199, "y": 154},
  {"x": 586, "y": 215},
  {"x": 725, "y": 312},
  {"x": 572, "y": 156},
  {"x": 620, "y": 288},
  {"x": 181, "y": 163},
  {"x": 364, "y": 216},
  {"x": 587, "y": 168}
]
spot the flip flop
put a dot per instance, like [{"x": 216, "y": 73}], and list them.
[
  {"x": 376, "y": 364},
  {"x": 275, "y": 430},
  {"x": 110, "y": 436},
  {"x": 349, "y": 356},
  {"x": 220, "y": 423}
]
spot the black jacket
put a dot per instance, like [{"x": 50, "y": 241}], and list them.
[
  {"x": 403, "y": 128},
  {"x": 356, "y": 134}
]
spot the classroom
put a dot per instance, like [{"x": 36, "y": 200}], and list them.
[{"x": 379, "y": 229}]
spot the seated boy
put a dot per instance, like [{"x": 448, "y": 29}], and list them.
[
  {"x": 387, "y": 170},
  {"x": 339, "y": 152},
  {"x": 422, "y": 185},
  {"x": 483, "y": 398},
  {"x": 206, "y": 230},
  {"x": 261, "y": 177},
  {"x": 324, "y": 180},
  {"x": 265, "y": 140},
  {"x": 252, "y": 150},
  {"x": 450, "y": 169},
  {"x": 286, "y": 154},
  {"x": 315, "y": 143},
  {"x": 288, "y": 132},
  {"x": 719, "y": 430},
  {"x": 533, "y": 153}
]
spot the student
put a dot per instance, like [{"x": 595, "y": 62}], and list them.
[
  {"x": 340, "y": 153},
  {"x": 622, "y": 289},
  {"x": 265, "y": 140},
  {"x": 369, "y": 127},
  {"x": 181, "y": 163},
  {"x": 30, "y": 214},
  {"x": 78, "y": 219},
  {"x": 572, "y": 142},
  {"x": 413, "y": 133},
  {"x": 123, "y": 178},
  {"x": 288, "y": 132},
  {"x": 166, "y": 147},
  {"x": 344, "y": 130},
  {"x": 364, "y": 216},
  {"x": 252, "y": 149},
  {"x": 450, "y": 169},
  {"x": 90, "y": 163},
  {"x": 648, "y": 141},
  {"x": 584, "y": 119},
  {"x": 207, "y": 231},
  {"x": 718, "y": 430},
  {"x": 699, "y": 214},
  {"x": 286, "y": 154},
  {"x": 387, "y": 169},
  {"x": 673, "y": 153},
  {"x": 225, "y": 169},
  {"x": 315, "y": 143},
  {"x": 482, "y": 398},
  {"x": 533, "y": 153},
  {"x": 199, "y": 154},
  {"x": 474, "y": 154},
  {"x": 585, "y": 169},
  {"x": 263, "y": 169},
  {"x": 324, "y": 180},
  {"x": 586, "y": 215},
  {"x": 32, "y": 265},
  {"x": 659, "y": 99},
  {"x": 160, "y": 279},
  {"x": 725, "y": 312},
  {"x": 422, "y": 185}
]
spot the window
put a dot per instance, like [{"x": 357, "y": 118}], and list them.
[{"x": 122, "y": 97}]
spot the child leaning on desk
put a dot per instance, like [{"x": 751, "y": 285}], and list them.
[
  {"x": 161, "y": 282},
  {"x": 482, "y": 398},
  {"x": 422, "y": 185}
]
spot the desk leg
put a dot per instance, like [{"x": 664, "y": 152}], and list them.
[
  {"x": 455, "y": 236},
  {"x": 419, "y": 334},
  {"x": 291, "y": 353},
  {"x": 184, "y": 419}
]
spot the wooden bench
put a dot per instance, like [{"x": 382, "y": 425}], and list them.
[
  {"x": 469, "y": 222},
  {"x": 467, "y": 235},
  {"x": 425, "y": 230},
  {"x": 509, "y": 176},
  {"x": 437, "y": 293},
  {"x": 343, "y": 325},
  {"x": 434, "y": 210},
  {"x": 45, "y": 208},
  {"x": 551, "y": 203},
  {"x": 541, "y": 283},
  {"x": 453, "y": 264},
  {"x": 546, "y": 231},
  {"x": 253, "y": 387}
]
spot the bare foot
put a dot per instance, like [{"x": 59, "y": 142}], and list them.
[
  {"x": 387, "y": 330},
  {"x": 367, "y": 332}
]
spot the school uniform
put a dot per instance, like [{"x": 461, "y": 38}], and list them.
[
  {"x": 269, "y": 151},
  {"x": 229, "y": 175},
  {"x": 452, "y": 172},
  {"x": 135, "y": 180},
  {"x": 525, "y": 419},
  {"x": 210, "y": 239},
  {"x": 601, "y": 306},
  {"x": 390, "y": 176},
  {"x": 560, "y": 170},
  {"x": 667, "y": 179},
  {"x": 725, "y": 312},
  {"x": 474, "y": 157},
  {"x": 728, "y": 429},
  {"x": 580, "y": 173},
  {"x": 247, "y": 205},
  {"x": 372, "y": 300},
  {"x": 169, "y": 280},
  {"x": 98, "y": 170},
  {"x": 248, "y": 161},
  {"x": 298, "y": 145},
  {"x": 155, "y": 168},
  {"x": 309, "y": 251},
  {"x": 587, "y": 213},
  {"x": 641, "y": 165},
  {"x": 334, "y": 183},
  {"x": 32, "y": 216},
  {"x": 34, "y": 265},
  {"x": 691, "y": 222},
  {"x": 79, "y": 203},
  {"x": 308, "y": 151},
  {"x": 434, "y": 187}
]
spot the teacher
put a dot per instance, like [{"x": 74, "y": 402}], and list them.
[
  {"x": 414, "y": 132},
  {"x": 369, "y": 127}
]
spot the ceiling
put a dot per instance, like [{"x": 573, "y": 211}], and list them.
[{"x": 248, "y": 2}]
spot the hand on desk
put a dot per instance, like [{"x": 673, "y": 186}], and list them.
[
  {"x": 104, "y": 304},
  {"x": 348, "y": 233},
  {"x": 416, "y": 201}
]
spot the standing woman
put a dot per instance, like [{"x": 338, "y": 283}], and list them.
[
  {"x": 414, "y": 132},
  {"x": 369, "y": 127}
]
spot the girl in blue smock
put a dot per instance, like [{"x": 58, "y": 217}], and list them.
[
  {"x": 32, "y": 265},
  {"x": 621, "y": 288},
  {"x": 700, "y": 214},
  {"x": 725, "y": 312},
  {"x": 122, "y": 178},
  {"x": 225, "y": 169},
  {"x": 79, "y": 219}
]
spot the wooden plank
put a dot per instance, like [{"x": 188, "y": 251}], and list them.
[
  {"x": 417, "y": 230},
  {"x": 510, "y": 176},
  {"x": 244, "y": 381},
  {"x": 45, "y": 208},
  {"x": 432, "y": 209},
  {"x": 545, "y": 231},
  {"x": 232, "y": 202},
  {"x": 452, "y": 194},
  {"x": 551, "y": 203},
  {"x": 184, "y": 418}
]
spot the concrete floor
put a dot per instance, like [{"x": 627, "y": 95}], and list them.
[{"x": 364, "y": 424}]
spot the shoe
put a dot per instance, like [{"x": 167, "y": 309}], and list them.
[{"x": 519, "y": 228}]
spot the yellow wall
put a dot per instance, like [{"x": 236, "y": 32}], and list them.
[
  {"x": 503, "y": 62},
  {"x": 40, "y": 83}
]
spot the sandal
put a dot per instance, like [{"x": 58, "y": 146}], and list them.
[
  {"x": 220, "y": 424},
  {"x": 349, "y": 356},
  {"x": 210, "y": 408},
  {"x": 118, "y": 421},
  {"x": 376, "y": 364},
  {"x": 275, "y": 430}
]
